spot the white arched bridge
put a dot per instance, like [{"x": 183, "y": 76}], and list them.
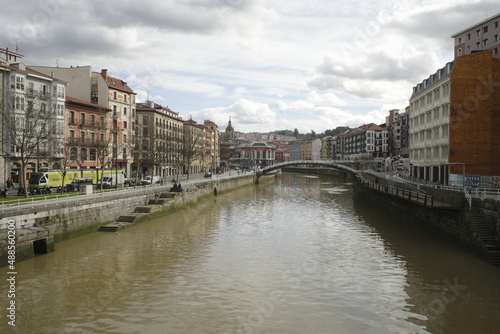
[{"x": 337, "y": 164}]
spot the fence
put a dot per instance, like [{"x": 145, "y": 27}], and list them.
[{"x": 410, "y": 195}]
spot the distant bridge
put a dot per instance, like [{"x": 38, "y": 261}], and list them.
[{"x": 337, "y": 164}]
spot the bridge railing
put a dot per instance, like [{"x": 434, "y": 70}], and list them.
[{"x": 341, "y": 164}]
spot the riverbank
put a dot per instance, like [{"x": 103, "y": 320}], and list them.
[{"x": 34, "y": 228}]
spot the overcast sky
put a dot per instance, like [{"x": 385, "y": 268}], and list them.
[{"x": 267, "y": 64}]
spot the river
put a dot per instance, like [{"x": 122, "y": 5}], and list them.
[{"x": 300, "y": 255}]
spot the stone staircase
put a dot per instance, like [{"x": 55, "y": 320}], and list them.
[
  {"x": 485, "y": 234},
  {"x": 127, "y": 220}
]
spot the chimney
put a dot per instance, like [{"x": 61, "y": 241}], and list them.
[{"x": 104, "y": 73}]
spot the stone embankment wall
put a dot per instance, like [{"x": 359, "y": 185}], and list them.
[{"x": 38, "y": 228}]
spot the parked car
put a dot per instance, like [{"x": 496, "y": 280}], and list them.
[{"x": 208, "y": 174}]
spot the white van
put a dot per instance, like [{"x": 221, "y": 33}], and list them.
[
  {"x": 147, "y": 180},
  {"x": 108, "y": 181}
]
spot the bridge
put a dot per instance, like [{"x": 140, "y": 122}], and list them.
[{"x": 337, "y": 164}]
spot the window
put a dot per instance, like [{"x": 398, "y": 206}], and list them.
[
  {"x": 93, "y": 154},
  {"x": 19, "y": 83},
  {"x": 478, "y": 32},
  {"x": 485, "y": 29},
  {"x": 92, "y": 120},
  {"x": 83, "y": 118},
  {"x": 83, "y": 154},
  {"x": 496, "y": 24},
  {"x": 478, "y": 45},
  {"x": 103, "y": 122},
  {"x": 459, "y": 52},
  {"x": 73, "y": 153},
  {"x": 125, "y": 97},
  {"x": 82, "y": 135},
  {"x": 114, "y": 111},
  {"x": 125, "y": 110},
  {"x": 485, "y": 42},
  {"x": 468, "y": 36},
  {"x": 71, "y": 134},
  {"x": 125, "y": 124},
  {"x": 114, "y": 95}
]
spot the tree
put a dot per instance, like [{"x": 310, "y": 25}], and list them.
[
  {"x": 192, "y": 146},
  {"x": 28, "y": 125},
  {"x": 102, "y": 146},
  {"x": 295, "y": 132}
]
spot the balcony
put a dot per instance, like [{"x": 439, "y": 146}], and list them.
[{"x": 86, "y": 142}]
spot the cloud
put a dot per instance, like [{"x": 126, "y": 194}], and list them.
[
  {"x": 313, "y": 100},
  {"x": 242, "y": 112}
]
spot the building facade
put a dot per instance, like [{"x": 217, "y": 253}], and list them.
[
  {"x": 257, "y": 154},
  {"x": 109, "y": 92},
  {"x": 88, "y": 138},
  {"x": 212, "y": 146},
  {"x": 33, "y": 115},
  {"x": 475, "y": 117},
  {"x": 158, "y": 142},
  {"x": 366, "y": 142},
  {"x": 429, "y": 128},
  {"x": 479, "y": 37},
  {"x": 193, "y": 147}
]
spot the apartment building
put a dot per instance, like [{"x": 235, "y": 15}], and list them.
[
  {"x": 479, "y": 37},
  {"x": 429, "y": 129},
  {"x": 366, "y": 142},
  {"x": 33, "y": 117},
  {"x": 109, "y": 92},
  {"x": 159, "y": 137},
  {"x": 327, "y": 148},
  {"x": 212, "y": 146},
  {"x": 88, "y": 140},
  {"x": 193, "y": 147}
]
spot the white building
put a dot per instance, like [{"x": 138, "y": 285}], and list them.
[
  {"x": 36, "y": 102},
  {"x": 429, "y": 126}
]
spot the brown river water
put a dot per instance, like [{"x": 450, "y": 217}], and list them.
[{"x": 299, "y": 255}]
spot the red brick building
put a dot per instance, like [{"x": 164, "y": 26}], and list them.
[{"x": 475, "y": 115}]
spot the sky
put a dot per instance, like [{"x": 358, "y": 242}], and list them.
[{"x": 266, "y": 64}]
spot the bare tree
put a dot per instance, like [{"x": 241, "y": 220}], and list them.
[
  {"x": 192, "y": 146},
  {"x": 27, "y": 126},
  {"x": 61, "y": 165},
  {"x": 104, "y": 153}
]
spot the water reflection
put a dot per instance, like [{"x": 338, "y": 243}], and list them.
[{"x": 297, "y": 256}]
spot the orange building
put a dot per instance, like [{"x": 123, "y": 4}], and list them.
[{"x": 475, "y": 115}]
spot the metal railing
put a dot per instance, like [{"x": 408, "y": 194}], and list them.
[{"x": 468, "y": 198}]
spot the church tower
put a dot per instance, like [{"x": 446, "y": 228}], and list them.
[{"x": 229, "y": 133}]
